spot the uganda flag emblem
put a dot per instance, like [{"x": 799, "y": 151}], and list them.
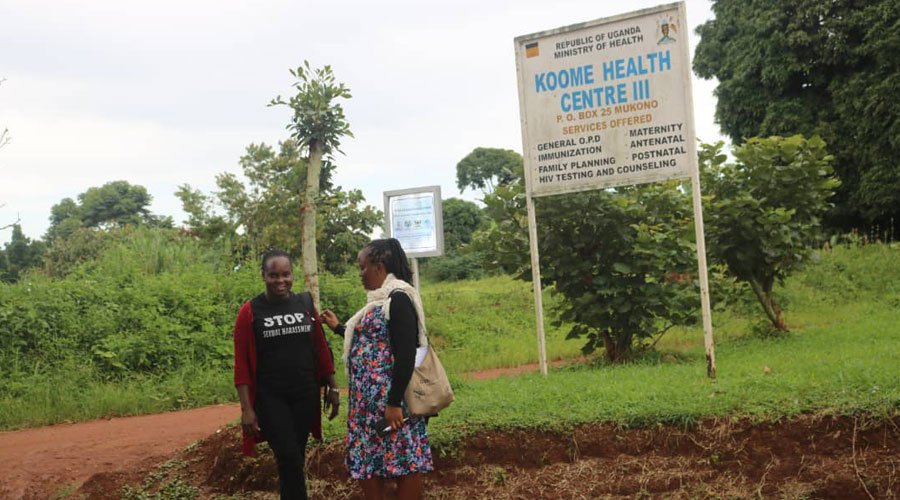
[{"x": 532, "y": 50}]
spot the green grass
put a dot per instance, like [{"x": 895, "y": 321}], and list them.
[
  {"x": 71, "y": 393},
  {"x": 842, "y": 356},
  {"x": 490, "y": 323},
  {"x": 836, "y": 369}
]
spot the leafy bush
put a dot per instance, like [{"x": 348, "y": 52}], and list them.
[
  {"x": 150, "y": 303},
  {"x": 455, "y": 267},
  {"x": 623, "y": 259},
  {"x": 763, "y": 210}
]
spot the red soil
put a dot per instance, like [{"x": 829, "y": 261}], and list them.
[
  {"x": 37, "y": 462},
  {"x": 808, "y": 457}
]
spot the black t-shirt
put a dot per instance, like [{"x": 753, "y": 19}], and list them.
[{"x": 284, "y": 347}]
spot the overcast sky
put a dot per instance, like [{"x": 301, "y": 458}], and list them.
[{"x": 164, "y": 92}]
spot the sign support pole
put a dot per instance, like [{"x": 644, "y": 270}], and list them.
[
  {"x": 698, "y": 213},
  {"x": 704, "y": 281},
  {"x": 415, "y": 270},
  {"x": 536, "y": 281}
]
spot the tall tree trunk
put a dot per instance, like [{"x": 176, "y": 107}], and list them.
[
  {"x": 767, "y": 300},
  {"x": 308, "y": 222}
]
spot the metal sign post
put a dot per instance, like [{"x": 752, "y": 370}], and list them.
[
  {"x": 608, "y": 103},
  {"x": 536, "y": 282},
  {"x": 415, "y": 270}
]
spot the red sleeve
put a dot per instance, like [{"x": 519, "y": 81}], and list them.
[
  {"x": 326, "y": 361},
  {"x": 243, "y": 330}
]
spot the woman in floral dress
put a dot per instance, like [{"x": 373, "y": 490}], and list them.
[{"x": 379, "y": 353}]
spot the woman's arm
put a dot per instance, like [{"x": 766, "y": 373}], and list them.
[
  {"x": 403, "y": 329},
  {"x": 249, "y": 422},
  {"x": 330, "y": 319}
]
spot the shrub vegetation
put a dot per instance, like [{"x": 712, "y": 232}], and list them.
[{"x": 146, "y": 327}]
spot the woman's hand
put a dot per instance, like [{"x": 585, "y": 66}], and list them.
[
  {"x": 329, "y": 318},
  {"x": 250, "y": 424},
  {"x": 332, "y": 399},
  {"x": 394, "y": 416}
]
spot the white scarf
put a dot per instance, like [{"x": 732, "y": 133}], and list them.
[{"x": 382, "y": 297}]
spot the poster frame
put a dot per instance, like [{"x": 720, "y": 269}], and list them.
[{"x": 438, "y": 218}]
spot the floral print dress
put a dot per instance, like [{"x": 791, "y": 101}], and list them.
[{"x": 405, "y": 451}]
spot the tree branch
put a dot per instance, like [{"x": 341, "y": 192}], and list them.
[
  {"x": 661, "y": 333},
  {"x": 18, "y": 219}
]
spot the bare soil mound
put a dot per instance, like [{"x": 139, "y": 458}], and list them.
[{"x": 808, "y": 457}]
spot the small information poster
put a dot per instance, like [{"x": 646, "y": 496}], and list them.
[
  {"x": 413, "y": 216},
  {"x": 607, "y": 102}
]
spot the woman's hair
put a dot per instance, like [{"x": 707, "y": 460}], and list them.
[
  {"x": 390, "y": 253},
  {"x": 272, "y": 253}
]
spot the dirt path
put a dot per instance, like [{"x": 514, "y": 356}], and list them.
[
  {"x": 518, "y": 370},
  {"x": 44, "y": 460}
]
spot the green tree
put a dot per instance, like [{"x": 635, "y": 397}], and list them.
[
  {"x": 114, "y": 204},
  {"x": 610, "y": 253},
  {"x": 318, "y": 124},
  {"x": 815, "y": 67},
  {"x": 4, "y": 265},
  {"x": 345, "y": 223},
  {"x": 21, "y": 254},
  {"x": 485, "y": 168},
  {"x": 265, "y": 209},
  {"x": 763, "y": 210},
  {"x": 461, "y": 219},
  {"x": 65, "y": 218},
  {"x": 202, "y": 220}
]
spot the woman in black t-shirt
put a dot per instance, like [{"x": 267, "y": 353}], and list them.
[{"x": 281, "y": 362}]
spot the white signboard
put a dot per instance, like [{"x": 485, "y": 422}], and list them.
[
  {"x": 607, "y": 102},
  {"x": 413, "y": 216}
]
